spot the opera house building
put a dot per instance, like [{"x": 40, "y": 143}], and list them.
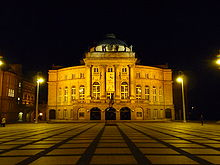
[{"x": 110, "y": 85}]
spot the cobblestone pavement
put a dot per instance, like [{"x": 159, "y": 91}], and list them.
[{"x": 110, "y": 143}]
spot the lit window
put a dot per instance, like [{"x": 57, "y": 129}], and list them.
[
  {"x": 66, "y": 94},
  {"x": 96, "y": 90},
  {"x": 124, "y": 90},
  {"x": 96, "y": 70},
  {"x": 138, "y": 92},
  {"x": 73, "y": 93},
  {"x": 19, "y": 84},
  {"x": 110, "y": 69},
  {"x": 82, "y": 92},
  {"x": 11, "y": 93},
  {"x": 154, "y": 93},
  {"x": 147, "y": 93},
  {"x": 110, "y": 95}
]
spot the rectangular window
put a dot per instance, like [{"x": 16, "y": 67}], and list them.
[
  {"x": 138, "y": 75},
  {"x": 81, "y": 75},
  {"x": 110, "y": 70},
  {"x": 11, "y": 93},
  {"x": 73, "y": 93},
  {"x": 138, "y": 92},
  {"x": 154, "y": 94},
  {"x": 81, "y": 92},
  {"x": 73, "y": 76},
  {"x": 96, "y": 70},
  {"x": 147, "y": 93},
  {"x": 124, "y": 70}
]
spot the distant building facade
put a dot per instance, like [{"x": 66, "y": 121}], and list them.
[
  {"x": 17, "y": 95},
  {"x": 110, "y": 86}
]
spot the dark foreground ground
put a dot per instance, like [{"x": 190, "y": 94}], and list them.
[{"x": 110, "y": 143}]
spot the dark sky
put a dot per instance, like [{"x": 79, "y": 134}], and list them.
[{"x": 186, "y": 35}]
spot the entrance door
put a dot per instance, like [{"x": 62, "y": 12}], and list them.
[
  {"x": 52, "y": 114},
  {"x": 110, "y": 114},
  {"x": 95, "y": 114},
  {"x": 125, "y": 113}
]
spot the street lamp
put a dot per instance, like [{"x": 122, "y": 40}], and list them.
[
  {"x": 39, "y": 80},
  {"x": 1, "y": 86},
  {"x": 180, "y": 80},
  {"x": 218, "y": 60}
]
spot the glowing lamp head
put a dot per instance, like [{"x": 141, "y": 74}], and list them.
[
  {"x": 40, "y": 80},
  {"x": 179, "y": 79},
  {"x": 1, "y": 63},
  {"x": 218, "y": 61}
]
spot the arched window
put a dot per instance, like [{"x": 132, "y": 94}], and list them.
[
  {"x": 138, "y": 92},
  {"x": 82, "y": 92},
  {"x": 73, "y": 93},
  {"x": 124, "y": 90},
  {"x": 154, "y": 93},
  {"x": 66, "y": 94},
  {"x": 147, "y": 93},
  {"x": 96, "y": 90}
]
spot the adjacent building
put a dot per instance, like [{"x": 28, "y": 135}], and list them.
[
  {"x": 17, "y": 95},
  {"x": 110, "y": 86}
]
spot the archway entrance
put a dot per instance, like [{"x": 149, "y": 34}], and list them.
[
  {"x": 95, "y": 114},
  {"x": 110, "y": 114},
  {"x": 52, "y": 114},
  {"x": 125, "y": 113}
]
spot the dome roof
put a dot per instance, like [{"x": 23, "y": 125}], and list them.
[{"x": 110, "y": 39}]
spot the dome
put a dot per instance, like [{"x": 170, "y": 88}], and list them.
[{"x": 110, "y": 39}]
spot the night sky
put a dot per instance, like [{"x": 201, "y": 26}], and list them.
[{"x": 184, "y": 35}]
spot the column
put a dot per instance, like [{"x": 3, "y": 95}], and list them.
[
  {"x": 103, "y": 82},
  {"x": 117, "y": 82},
  {"x": 132, "y": 82},
  {"x": 88, "y": 83}
]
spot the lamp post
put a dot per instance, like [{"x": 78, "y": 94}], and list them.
[
  {"x": 39, "y": 80},
  {"x": 180, "y": 80},
  {"x": 1, "y": 87}
]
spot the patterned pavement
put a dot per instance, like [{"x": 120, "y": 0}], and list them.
[{"x": 110, "y": 143}]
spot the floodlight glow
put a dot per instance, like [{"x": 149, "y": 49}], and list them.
[
  {"x": 40, "y": 80},
  {"x": 179, "y": 79}
]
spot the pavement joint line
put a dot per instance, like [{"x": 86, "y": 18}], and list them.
[
  {"x": 187, "y": 154},
  {"x": 188, "y": 130},
  {"x": 22, "y": 145},
  {"x": 47, "y": 150},
  {"x": 32, "y": 135},
  {"x": 201, "y": 144},
  {"x": 87, "y": 155},
  {"x": 138, "y": 155},
  {"x": 188, "y": 134}
]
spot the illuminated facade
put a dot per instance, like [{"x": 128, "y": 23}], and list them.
[
  {"x": 17, "y": 95},
  {"x": 110, "y": 86}
]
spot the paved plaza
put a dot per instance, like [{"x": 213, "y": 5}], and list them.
[{"x": 110, "y": 143}]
